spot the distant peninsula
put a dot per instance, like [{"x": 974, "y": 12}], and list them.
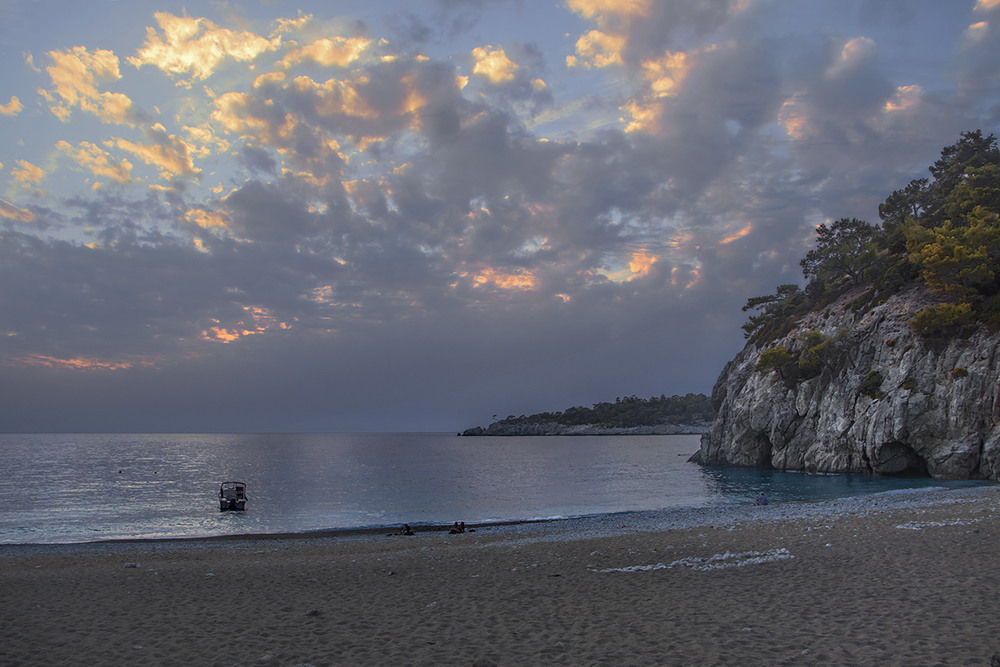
[{"x": 631, "y": 415}]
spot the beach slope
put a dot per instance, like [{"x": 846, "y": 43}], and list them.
[{"x": 879, "y": 581}]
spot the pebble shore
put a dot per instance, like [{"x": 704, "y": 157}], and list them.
[{"x": 901, "y": 578}]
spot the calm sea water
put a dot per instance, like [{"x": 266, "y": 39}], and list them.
[{"x": 80, "y": 488}]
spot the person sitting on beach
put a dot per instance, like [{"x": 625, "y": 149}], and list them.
[
  {"x": 406, "y": 530},
  {"x": 455, "y": 529},
  {"x": 761, "y": 499}
]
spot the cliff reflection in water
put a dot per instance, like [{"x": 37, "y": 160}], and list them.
[{"x": 727, "y": 484}]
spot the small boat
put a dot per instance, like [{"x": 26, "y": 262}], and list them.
[{"x": 233, "y": 496}]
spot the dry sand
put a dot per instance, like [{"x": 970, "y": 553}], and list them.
[{"x": 863, "y": 583}]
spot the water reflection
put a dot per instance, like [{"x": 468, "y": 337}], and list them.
[
  {"x": 725, "y": 484},
  {"x": 84, "y": 487}
]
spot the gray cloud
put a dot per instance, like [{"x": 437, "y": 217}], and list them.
[{"x": 388, "y": 249}]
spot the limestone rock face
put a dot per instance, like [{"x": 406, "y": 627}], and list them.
[{"x": 936, "y": 409}]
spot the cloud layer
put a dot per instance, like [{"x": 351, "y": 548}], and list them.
[{"x": 420, "y": 218}]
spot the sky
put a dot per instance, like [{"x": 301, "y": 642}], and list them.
[{"x": 413, "y": 215}]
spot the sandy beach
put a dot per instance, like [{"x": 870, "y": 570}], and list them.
[{"x": 904, "y": 579}]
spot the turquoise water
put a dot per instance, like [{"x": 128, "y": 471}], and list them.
[{"x": 76, "y": 488}]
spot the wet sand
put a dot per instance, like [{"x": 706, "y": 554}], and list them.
[{"x": 875, "y": 581}]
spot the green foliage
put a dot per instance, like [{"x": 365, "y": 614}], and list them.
[
  {"x": 958, "y": 259},
  {"x": 775, "y": 359},
  {"x": 871, "y": 385},
  {"x": 943, "y": 232},
  {"x": 961, "y": 177},
  {"x": 845, "y": 249},
  {"x": 776, "y": 314},
  {"x": 942, "y": 319},
  {"x": 814, "y": 353},
  {"x": 902, "y": 205},
  {"x": 629, "y": 411}
]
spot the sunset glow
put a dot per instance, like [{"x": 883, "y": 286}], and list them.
[{"x": 359, "y": 205}]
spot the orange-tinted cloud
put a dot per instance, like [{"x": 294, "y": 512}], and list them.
[
  {"x": 170, "y": 156},
  {"x": 598, "y": 9},
  {"x": 335, "y": 52},
  {"x": 493, "y": 64},
  {"x": 209, "y": 219},
  {"x": 690, "y": 276},
  {"x": 84, "y": 364},
  {"x": 605, "y": 45},
  {"x": 597, "y": 49},
  {"x": 97, "y": 160},
  {"x": 977, "y": 32},
  {"x": 516, "y": 280},
  {"x": 740, "y": 233},
  {"x": 258, "y": 320},
  {"x": 664, "y": 75},
  {"x": 855, "y": 52},
  {"x": 27, "y": 174},
  {"x": 12, "y": 108},
  {"x": 291, "y": 25},
  {"x": 640, "y": 264},
  {"x": 75, "y": 74},
  {"x": 250, "y": 116},
  {"x": 793, "y": 116},
  {"x": 11, "y": 212},
  {"x": 906, "y": 97},
  {"x": 196, "y": 46}
]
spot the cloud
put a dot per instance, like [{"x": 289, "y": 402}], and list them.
[
  {"x": 598, "y": 49},
  {"x": 629, "y": 32},
  {"x": 981, "y": 49},
  {"x": 167, "y": 153},
  {"x": 336, "y": 52},
  {"x": 292, "y": 25},
  {"x": 75, "y": 74},
  {"x": 97, "y": 160},
  {"x": 197, "y": 46},
  {"x": 27, "y": 174},
  {"x": 493, "y": 64},
  {"x": 83, "y": 364},
  {"x": 455, "y": 226},
  {"x": 610, "y": 10},
  {"x": 854, "y": 54},
  {"x": 11, "y": 212},
  {"x": 12, "y": 108}
]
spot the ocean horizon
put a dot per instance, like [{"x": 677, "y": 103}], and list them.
[{"x": 70, "y": 488}]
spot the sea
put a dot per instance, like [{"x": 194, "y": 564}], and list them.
[{"x": 73, "y": 488}]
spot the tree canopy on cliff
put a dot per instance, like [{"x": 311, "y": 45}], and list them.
[{"x": 942, "y": 232}]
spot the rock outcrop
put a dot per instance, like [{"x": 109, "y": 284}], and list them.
[{"x": 875, "y": 398}]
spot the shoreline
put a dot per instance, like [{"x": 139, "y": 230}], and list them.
[
  {"x": 587, "y": 526},
  {"x": 899, "y": 578}
]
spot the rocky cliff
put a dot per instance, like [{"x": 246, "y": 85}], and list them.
[{"x": 859, "y": 391}]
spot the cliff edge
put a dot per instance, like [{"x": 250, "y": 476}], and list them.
[{"x": 855, "y": 389}]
